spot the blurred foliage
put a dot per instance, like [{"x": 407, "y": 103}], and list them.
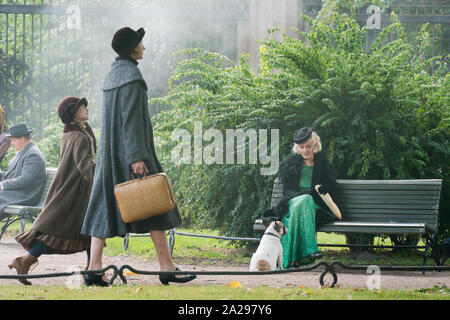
[
  {"x": 49, "y": 145},
  {"x": 380, "y": 113}
]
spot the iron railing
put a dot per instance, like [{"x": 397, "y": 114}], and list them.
[{"x": 53, "y": 48}]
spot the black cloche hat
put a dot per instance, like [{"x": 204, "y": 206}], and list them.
[
  {"x": 301, "y": 135},
  {"x": 126, "y": 39},
  {"x": 19, "y": 130}
]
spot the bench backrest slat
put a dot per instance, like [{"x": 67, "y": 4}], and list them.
[{"x": 407, "y": 201}]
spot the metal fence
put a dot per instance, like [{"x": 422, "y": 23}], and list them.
[{"x": 53, "y": 48}]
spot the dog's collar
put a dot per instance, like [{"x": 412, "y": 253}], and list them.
[{"x": 271, "y": 234}]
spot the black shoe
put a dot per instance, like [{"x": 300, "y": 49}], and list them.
[
  {"x": 92, "y": 279},
  {"x": 166, "y": 278},
  {"x": 315, "y": 255}
]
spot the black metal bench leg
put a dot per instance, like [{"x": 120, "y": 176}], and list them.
[
  {"x": 10, "y": 221},
  {"x": 5, "y": 226},
  {"x": 436, "y": 253},
  {"x": 126, "y": 240},
  {"x": 171, "y": 241},
  {"x": 22, "y": 224},
  {"x": 437, "y": 258},
  {"x": 427, "y": 249}
]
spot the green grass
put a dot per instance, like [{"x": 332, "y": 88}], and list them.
[{"x": 134, "y": 292}]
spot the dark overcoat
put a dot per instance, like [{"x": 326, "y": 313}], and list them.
[
  {"x": 24, "y": 181},
  {"x": 323, "y": 174},
  {"x": 59, "y": 224},
  {"x": 126, "y": 137}
]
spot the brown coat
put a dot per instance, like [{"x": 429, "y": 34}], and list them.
[{"x": 59, "y": 224}]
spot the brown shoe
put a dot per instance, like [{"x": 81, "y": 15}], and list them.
[{"x": 23, "y": 265}]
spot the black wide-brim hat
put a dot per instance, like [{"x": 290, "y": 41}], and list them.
[
  {"x": 302, "y": 135},
  {"x": 126, "y": 39},
  {"x": 18, "y": 130}
]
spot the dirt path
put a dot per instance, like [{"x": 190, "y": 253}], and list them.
[{"x": 9, "y": 249}]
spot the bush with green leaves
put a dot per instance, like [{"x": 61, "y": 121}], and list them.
[
  {"x": 380, "y": 114},
  {"x": 49, "y": 145}
]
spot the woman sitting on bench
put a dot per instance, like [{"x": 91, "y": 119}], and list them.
[{"x": 302, "y": 209}]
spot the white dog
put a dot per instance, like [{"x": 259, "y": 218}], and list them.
[{"x": 269, "y": 254}]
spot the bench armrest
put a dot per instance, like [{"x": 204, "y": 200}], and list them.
[{"x": 19, "y": 210}]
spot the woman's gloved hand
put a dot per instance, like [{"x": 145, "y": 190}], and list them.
[{"x": 323, "y": 189}]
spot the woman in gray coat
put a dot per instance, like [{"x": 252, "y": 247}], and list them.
[{"x": 126, "y": 145}]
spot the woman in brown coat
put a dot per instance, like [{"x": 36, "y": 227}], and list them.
[{"x": 57, "y": 228}]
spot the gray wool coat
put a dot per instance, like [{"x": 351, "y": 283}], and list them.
[
  {"x": 126, "y": 137},
  {"x": 25, "y": 178}
]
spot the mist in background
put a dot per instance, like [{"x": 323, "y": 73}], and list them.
[{"x": 51, "y": 49}]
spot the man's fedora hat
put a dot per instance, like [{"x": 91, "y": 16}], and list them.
[
  {"x": 126, "y": 39},
  {"x": 19, "y": 130}
]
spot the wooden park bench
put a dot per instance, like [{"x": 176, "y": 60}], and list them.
[
  {"x": 13, "y": 213},
  {"x": 382, "y": 207}
]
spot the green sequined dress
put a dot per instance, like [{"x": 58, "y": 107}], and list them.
[{"x": 300, "y": 240}]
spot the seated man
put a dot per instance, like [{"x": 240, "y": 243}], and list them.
[{"x": 24, "y": 181}]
